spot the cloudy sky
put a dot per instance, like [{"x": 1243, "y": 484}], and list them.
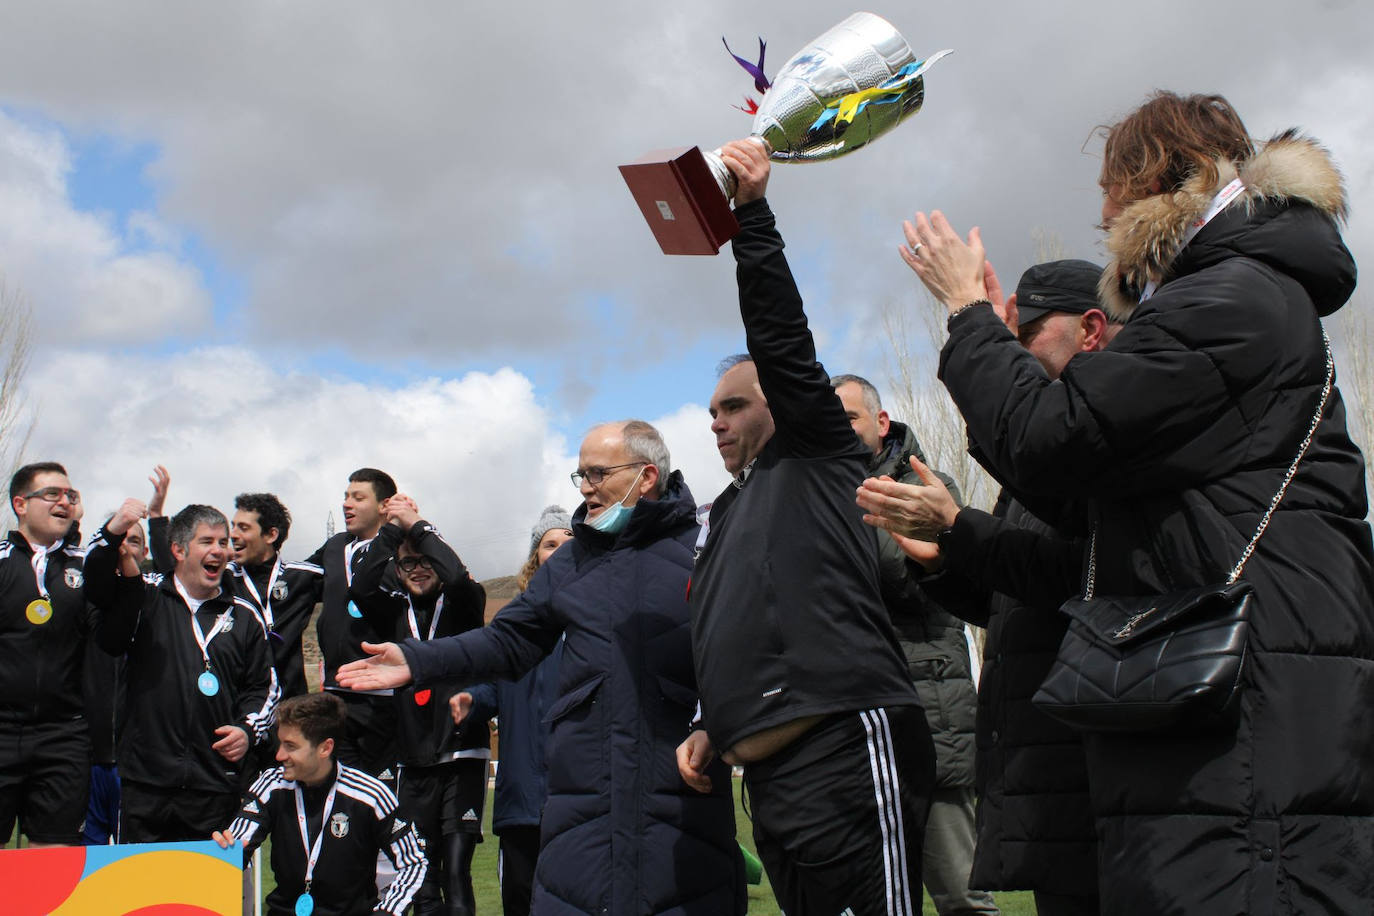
[{"x": 266, "y": 243}]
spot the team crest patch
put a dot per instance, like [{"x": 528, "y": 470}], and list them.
[
  {"x": 338, "y": 825},
  {"x": 228, "y": 619},
  {"x": 279, "y": 590},
  {"x": 72, "y": 577}
]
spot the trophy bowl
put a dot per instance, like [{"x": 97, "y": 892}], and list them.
[{"x": 848, "y": 87}]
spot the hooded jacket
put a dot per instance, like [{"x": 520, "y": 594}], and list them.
[
  {"x": 622, "y": 833},
  {"x": 1178, "y": 434}
]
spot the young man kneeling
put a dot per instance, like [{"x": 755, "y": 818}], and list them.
[{"x": 327, "y": 822}]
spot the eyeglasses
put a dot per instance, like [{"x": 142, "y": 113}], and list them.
[
  {"x": 594, "y": 476},
  {"x": 55, "y": 494},
  {"x": 408, "y": 564}
]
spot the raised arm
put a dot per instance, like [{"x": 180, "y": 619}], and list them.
[
  {"x": 118, "y": 599},
  {"x": 808, "y": 416}
]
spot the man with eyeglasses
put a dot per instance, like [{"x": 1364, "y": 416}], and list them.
[
  {"x": 44, "y": 742},
  {"x": 411, "y": 584},
  {"x": 619, "y": 833}
]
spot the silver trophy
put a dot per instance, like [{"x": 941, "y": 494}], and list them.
[{"x": 850, "y": 86}]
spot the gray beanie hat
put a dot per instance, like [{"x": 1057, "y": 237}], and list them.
[{"x": 552, "y": 517}]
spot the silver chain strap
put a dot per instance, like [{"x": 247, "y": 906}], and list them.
[{"x": 1273, "y": 504}]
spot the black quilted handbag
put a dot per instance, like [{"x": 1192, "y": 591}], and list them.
[{"x": 1171, "y": 662}]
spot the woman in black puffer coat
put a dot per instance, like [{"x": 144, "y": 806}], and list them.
[{"x": 1178, "y": 436}]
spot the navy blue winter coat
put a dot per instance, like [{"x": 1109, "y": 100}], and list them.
[{"x": 622, "y": 834}]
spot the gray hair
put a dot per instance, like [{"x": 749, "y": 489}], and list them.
[
  {"x": 731, "y": 362},
  {"x": 184, "y": 524},
  {"x": 870, "y": 394},
  {"x": 645, "y": 443}
]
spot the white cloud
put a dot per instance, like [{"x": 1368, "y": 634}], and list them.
[
  {"x": 476, "y": 452},
  {"x": 86, "y": 281}
]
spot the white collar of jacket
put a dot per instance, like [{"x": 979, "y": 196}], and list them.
[{"x": 1148, "y": 235}]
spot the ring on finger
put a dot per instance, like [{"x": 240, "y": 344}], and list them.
[{"x": 915, "y": 248}]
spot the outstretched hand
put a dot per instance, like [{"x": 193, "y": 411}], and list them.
[{"x": 386, "y": 668}]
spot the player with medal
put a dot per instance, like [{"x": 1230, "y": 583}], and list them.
[
  {"x": 201, "y": 685},
  {"x": 327, "y": 822},
  {"x": 44, "y": 743},
  {"x": 411, "y": 584}
]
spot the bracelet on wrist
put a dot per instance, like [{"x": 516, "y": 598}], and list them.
[{"x": 965, "y": 307}]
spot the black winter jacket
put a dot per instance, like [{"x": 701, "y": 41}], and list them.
[
  {"x": 170, "y": 723},
  {"x": 1180, "y": 433},
  {"x": 932, "y": 639},
  {"x": 787, "y": 617},
  {"x": 425, "y": 733},
  {"x": 1035, "y": 822},
  {"x": 622, "y": 833}
]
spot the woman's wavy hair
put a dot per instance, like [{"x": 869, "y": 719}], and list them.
[{"x": 1170, "y": 139}]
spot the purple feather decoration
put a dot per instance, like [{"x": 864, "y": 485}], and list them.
[{"x": 761, "y": 82}]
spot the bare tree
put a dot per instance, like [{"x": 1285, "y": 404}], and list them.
[
  {"x": 16, "y": 346},
  {"x": 921, "y": 401},
  {"x": 1357, "y": 380}
]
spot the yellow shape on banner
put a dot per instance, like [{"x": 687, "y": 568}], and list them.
[{"x": 158, "y": 878}]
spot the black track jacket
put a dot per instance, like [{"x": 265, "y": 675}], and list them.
[
  {"x": 787, "y": 617},
  {"x": 171, "y": 725},
  {"x": 425, "y": 732},
  {"x": 40, "y": 680},
  {"x": 362, "y": 822}
]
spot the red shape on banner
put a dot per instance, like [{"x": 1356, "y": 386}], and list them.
[
  {"x": 173, "y": 909},
  {"x": 36, "y": 881}
]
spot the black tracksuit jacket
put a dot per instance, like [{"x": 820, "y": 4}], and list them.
[
  {"x": 425, "y": 732},
  {"x": 341, "y": 635},
  {"x": 285, "y": 607},
  {"x": 170, "y": 724},
  {"x": 363, "y": 822},
  {"x": 787, "y": 616},
  {"x": 40, "y": 680}
]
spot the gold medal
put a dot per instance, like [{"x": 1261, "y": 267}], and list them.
[{"x": 39, "y": 612}]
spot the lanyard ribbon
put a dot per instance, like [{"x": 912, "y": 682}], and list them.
[
  {"x": 312, "y": 853},
  {"x": 415, "y": 625},
  {"x": 350, "y": 549},
  {"x": 202, "y": 640},
  {"x": 40, "y": 566},
  {"x": 266, "y": 606}
]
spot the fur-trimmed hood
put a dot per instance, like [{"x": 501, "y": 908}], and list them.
[{"x": 1145, "y": 241}]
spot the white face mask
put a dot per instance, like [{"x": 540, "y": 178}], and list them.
[{"x": 614, "y": 518}]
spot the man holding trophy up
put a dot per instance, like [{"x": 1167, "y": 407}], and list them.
[{"x": 800, "y": 677}]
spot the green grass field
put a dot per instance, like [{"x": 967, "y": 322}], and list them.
[{"x": 761, "y": 901}]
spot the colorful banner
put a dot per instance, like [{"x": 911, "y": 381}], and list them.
[{"x": 152, "y": 879}]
